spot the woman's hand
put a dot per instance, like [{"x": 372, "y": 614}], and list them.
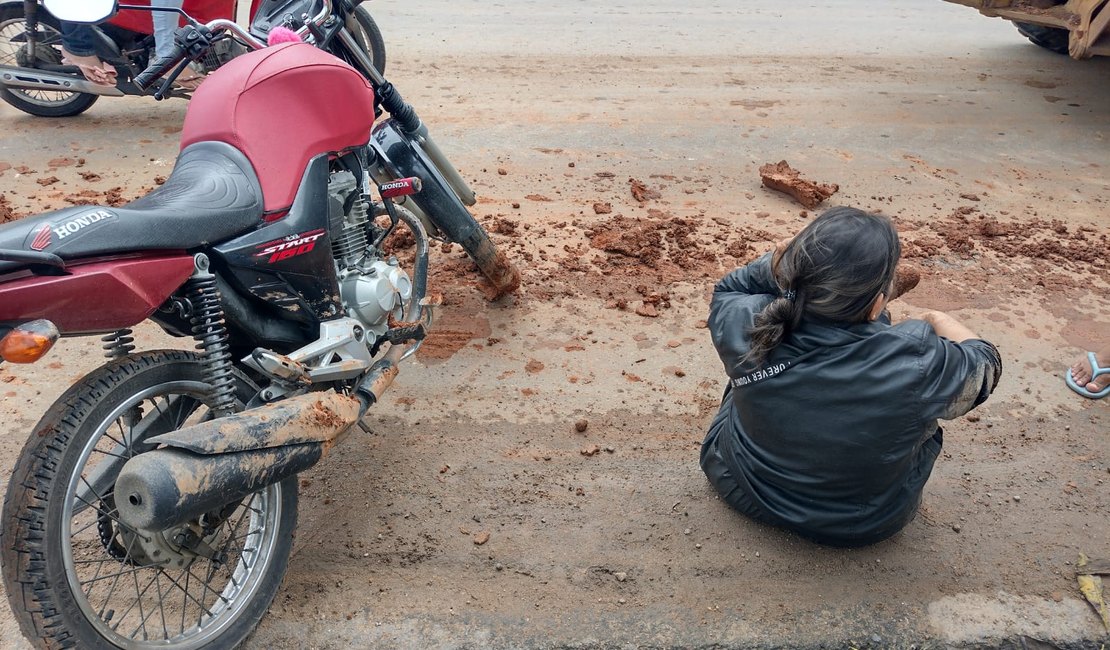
[{"x": 948, "y": 327}]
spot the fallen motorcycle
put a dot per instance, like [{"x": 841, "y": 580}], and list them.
[
  {"x": 34, "y": 80},
  {"x": 154, "y": 504}
]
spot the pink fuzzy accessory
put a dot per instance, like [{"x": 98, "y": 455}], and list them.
[{"x": 280, "y": 35}]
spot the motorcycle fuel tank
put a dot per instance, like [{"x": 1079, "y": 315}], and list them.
[{"x": 281, "y": 106}]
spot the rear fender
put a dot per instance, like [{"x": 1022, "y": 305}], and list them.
[{"x": 98, "y": 296}]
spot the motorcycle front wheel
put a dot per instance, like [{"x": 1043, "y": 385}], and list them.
[
  {"x": 14, "y": 52},
  {"x": 366, "y": 33},
  {"x": 77, "y": 576}
]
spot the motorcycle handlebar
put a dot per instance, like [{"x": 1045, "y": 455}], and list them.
[
  {"x": 162, "y": 65},
  {"x": 159, "y": 67},
  {"x": 325, "y": 13}
]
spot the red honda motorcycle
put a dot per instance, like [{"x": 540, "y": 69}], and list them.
[
  {"x": 153, "y": 505},
  {"x": 34, "y": 80}
]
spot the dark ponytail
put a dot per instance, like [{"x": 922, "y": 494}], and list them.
[
  {"x": 771, "y": 327},
  {"x": 832, "y": 271}
]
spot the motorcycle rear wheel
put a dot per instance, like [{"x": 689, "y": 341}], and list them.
[
  {"x": 42, "y": 103},
  {"x": 76, "y": 576}
]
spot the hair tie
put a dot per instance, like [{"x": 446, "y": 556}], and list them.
[{"x": 790, "y": 294}]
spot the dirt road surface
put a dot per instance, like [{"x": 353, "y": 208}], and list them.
[{"x": 991, "y": 154}]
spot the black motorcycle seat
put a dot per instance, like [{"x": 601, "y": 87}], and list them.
[{"x": 212, "y": 195}]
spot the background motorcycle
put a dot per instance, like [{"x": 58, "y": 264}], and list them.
[
  {"x": 153, "y": 505},
  {"x": 40, "y": 85}
]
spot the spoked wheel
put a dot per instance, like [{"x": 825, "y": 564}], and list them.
[
  {"x": 14, "y": 52},
  {"x": 77, "y": 576}
]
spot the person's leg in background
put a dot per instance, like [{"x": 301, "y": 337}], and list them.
[
  {"x": 79, "y": 49},
  {"x": 165, "y": 25}
]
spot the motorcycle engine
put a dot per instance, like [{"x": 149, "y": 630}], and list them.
[{"x": 371, "y": 288}]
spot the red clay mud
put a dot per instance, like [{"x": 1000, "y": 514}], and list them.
[
  {"x": 6, "y": 213},
  {"x": 642, "y": 193},
  {"x": 782, "y": 177},
  {"x": 906, "y": 277}
]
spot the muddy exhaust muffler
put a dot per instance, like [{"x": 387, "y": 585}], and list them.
[
  {"x": 201, "y": 468},
  {"x": 32, "y": 79}
]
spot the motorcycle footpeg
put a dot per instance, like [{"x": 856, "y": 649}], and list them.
[
  {"x": 400, "y": 334},
  {"x": 280, "y": 367},
  {"x": 406, "y": 334}
]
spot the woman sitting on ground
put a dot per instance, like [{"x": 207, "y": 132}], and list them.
[{"x": 828, "y": 426}]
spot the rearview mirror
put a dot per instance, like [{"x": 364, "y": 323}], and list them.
[{"x": 81, "y": 11}]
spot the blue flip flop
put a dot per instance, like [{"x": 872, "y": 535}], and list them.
[{"x": 1096, "y": 371}]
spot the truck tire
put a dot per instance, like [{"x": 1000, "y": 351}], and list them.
[{"x": 1050, "y": 38}]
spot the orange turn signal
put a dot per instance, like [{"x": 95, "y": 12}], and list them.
[{"x": 29, "y": 342}]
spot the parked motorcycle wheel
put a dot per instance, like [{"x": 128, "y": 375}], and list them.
[
  {"x": 362, "y": 26},
  {"x": 43, "y": 103},
  {"x": 77, "y": 577}
]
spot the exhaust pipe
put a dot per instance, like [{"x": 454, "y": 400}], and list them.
[
  {"x": 32, "y": 79},
  {"x": 203, "y": 467}
]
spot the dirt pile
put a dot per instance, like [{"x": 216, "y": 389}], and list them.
[
  {"x": 965, "y": 235},
  {"x": 662, "y": 246},
  {"x": 617, "y": 259},
  {"x": 112, "y": 197},
  {"x": 782, "y": 177},
  {"x": 6, "y": 213},
  {"x": 641, "y": 192}
]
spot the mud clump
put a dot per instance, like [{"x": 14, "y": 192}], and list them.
[
  {"x": 400, "y": 240},
  {"x": 781, "y": 177},
  {"x": 501, "y": 277},
  {"x": 958, "y": 241},
  {"x": 322, "y": 416},
  {"x": 906, "y": 277},
  {"x": 112, "y": 197},
  {"x": 656, "y": 249},
  {"x": 992, "y": 228},
  {"x": 642, "y": 241},
  {"x": 6, "y": 213},
  {"x": 1048, "y": 253},
  {"x": 603, "y": 207},
  {"x": 507, "y": 227},
  {"x": 642, "y": 193}
]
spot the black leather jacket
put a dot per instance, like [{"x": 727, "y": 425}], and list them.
[{"x": 836, "y": 433}]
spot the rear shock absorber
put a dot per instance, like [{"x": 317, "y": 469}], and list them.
[
  {"x": 118, "y": 344},
  {"x": 211, "y": 336}
]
